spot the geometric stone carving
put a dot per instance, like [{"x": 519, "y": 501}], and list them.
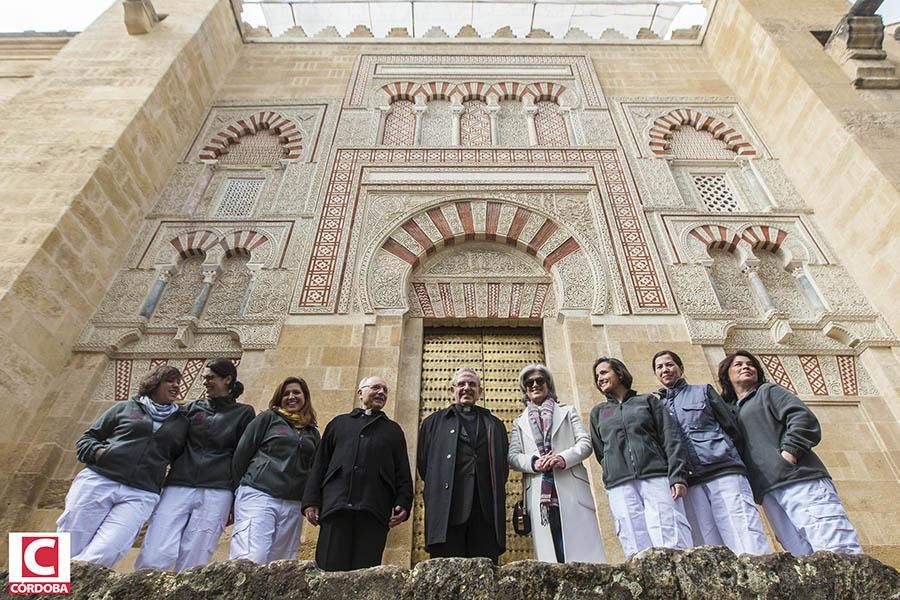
[
  {"x": 474, "y": 124},
  {"x": 663, "y": 128},
  {"x": 238, "y": 197},
  {"x": 400, "y": 124},
  {"x": 731, "y": 285},
  {"x": 366, "y": 86},
  {"x": 776, "y": 371},
  {"x": 689, "y": 144},
  {"x": 642, "y": 278},
  {"x": 288, "y": 139},
  {"x": 550, "y": 124}
]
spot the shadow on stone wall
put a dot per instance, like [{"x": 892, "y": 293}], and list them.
[{"x": 709, "y": 572}]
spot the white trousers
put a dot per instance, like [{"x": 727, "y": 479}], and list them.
[
  {"x": 184, "y": 528},
  {"x": 722, "y": 513},
  {"x": 808, "y": 516},
  {"x": 265, "y": 528},
  {"x": 646, "y": 516},
  {"x": 103, "y": 517}
]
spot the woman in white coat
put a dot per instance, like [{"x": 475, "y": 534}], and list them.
[{"x": 549, "y": 445}]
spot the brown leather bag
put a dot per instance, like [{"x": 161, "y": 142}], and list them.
[{"x": 521, "y": 520}]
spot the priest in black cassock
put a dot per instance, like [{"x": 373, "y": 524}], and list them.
[
  {"x": 360, "y": 484},
  {"x": 462, "y": 460}
]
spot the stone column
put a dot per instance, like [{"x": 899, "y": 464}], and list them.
[
  {"x": 493, "y": 109},
  {"x": 456, "y": 111},
  {"x": 200, "y": 187},
  {"x": 757, "y": 286},
  {"x": 149, "y": 306},
  {"x": 419, "y": 111},
  {"x": 529, "y": 109},
  {"x": 254, "y": 273},
  {"x": 209, "y": 277},
  {"x": 809, "y": 290}
]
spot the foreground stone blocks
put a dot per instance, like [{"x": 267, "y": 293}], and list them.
[{"x": 699, "y": 573}]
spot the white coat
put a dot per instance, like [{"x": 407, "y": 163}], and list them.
[{"x": 569, "y": 439}]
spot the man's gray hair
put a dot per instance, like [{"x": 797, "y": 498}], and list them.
[
  {"x": 462, "y": 370},
  {"x": 544, "y": 372}
]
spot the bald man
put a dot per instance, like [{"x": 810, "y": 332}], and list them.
[{"x": 360, "y": 484}]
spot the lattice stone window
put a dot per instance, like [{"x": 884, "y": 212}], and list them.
[
  {"x": 716, "y": 192},
  {"x": 238, "y": 197}
]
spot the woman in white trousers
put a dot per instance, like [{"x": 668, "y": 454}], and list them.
[
  {"x": 198, "y": 495},
  {"x": 719, "y": 502},
  {"x": 126, "y": 450},
  {"x": 639, "y": 446},
  {"x": 549, "y": 445},
  {"x": 778, "y": 432},
  {"x": 272, "y": 461}
]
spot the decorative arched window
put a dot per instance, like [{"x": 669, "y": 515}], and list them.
[
  {"x": 261, "y": 148},
  {"x": 550, "y": 124},
  {"x": 229, "y": 289},
  {"x": 179, "y": 294},
  {"x": 437, "y": 124},
  {"x": 730, "y": 284},
  {"x": 400, "y": 124},
  {"x": 475, "y": 124}
]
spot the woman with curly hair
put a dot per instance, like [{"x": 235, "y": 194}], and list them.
[{"x": 126, "y": 450}]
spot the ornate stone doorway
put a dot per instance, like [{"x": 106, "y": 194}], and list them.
[{"x": 498, "y": 354}]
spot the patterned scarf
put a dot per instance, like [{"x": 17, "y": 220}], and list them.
[
  {"x": 541, "y": 420},
  {"x": 298, "y": 421},
  {"x": 158, "y": 412}
]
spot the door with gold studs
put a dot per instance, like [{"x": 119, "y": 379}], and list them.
[{"x": 497, "y": 354}]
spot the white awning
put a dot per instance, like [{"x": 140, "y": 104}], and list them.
[{"x": 609, "y": 19}]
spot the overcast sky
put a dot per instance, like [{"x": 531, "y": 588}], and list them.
[{"x": 76, "y": 15}]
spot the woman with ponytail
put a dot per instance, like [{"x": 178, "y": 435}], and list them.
[
  {"x": 199, "y": 490},
  {"x": 272, "y": 461}
]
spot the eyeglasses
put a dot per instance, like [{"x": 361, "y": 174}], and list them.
[
  {"x": 465, "y": 384},
  {"x": 376, "y": 387},
  {"x": 538, "y": 381}
]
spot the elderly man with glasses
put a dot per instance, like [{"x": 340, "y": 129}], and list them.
[
  {"x": 462, "y": 460},
  {"x": 360, "y": 484}
]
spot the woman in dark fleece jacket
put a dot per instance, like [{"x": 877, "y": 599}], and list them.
[
  {"x": 272, "y": 462},
  {"x": 644, "y": 462},
  {"x": 126, "y": 450},
  {"x": 777, "y": 434},
  {"x": 199, "y": 490}
]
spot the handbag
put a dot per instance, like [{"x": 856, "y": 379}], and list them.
[{"x": 521, "y": 520}]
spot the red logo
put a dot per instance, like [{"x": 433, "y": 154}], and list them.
[{"x": 39, "y": 563}]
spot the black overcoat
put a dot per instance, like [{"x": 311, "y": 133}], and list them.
[
  {"x": 436, "y": 462},
  {"x": 360, "y": 464}
]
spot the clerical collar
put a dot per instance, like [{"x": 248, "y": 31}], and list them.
[{"x": 368, "y": 412}]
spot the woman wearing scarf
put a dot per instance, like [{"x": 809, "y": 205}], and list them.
[
  {"x": 549, "y": 445},
  {"x": 126, "y": 450},
  {"x": 719, "y": 503},
  {"x": 778, "y": 432},
  {"x": 272, "y": 462},
  {"x": 199, "y": 490},
  {"x": 644, "y": 463}
]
